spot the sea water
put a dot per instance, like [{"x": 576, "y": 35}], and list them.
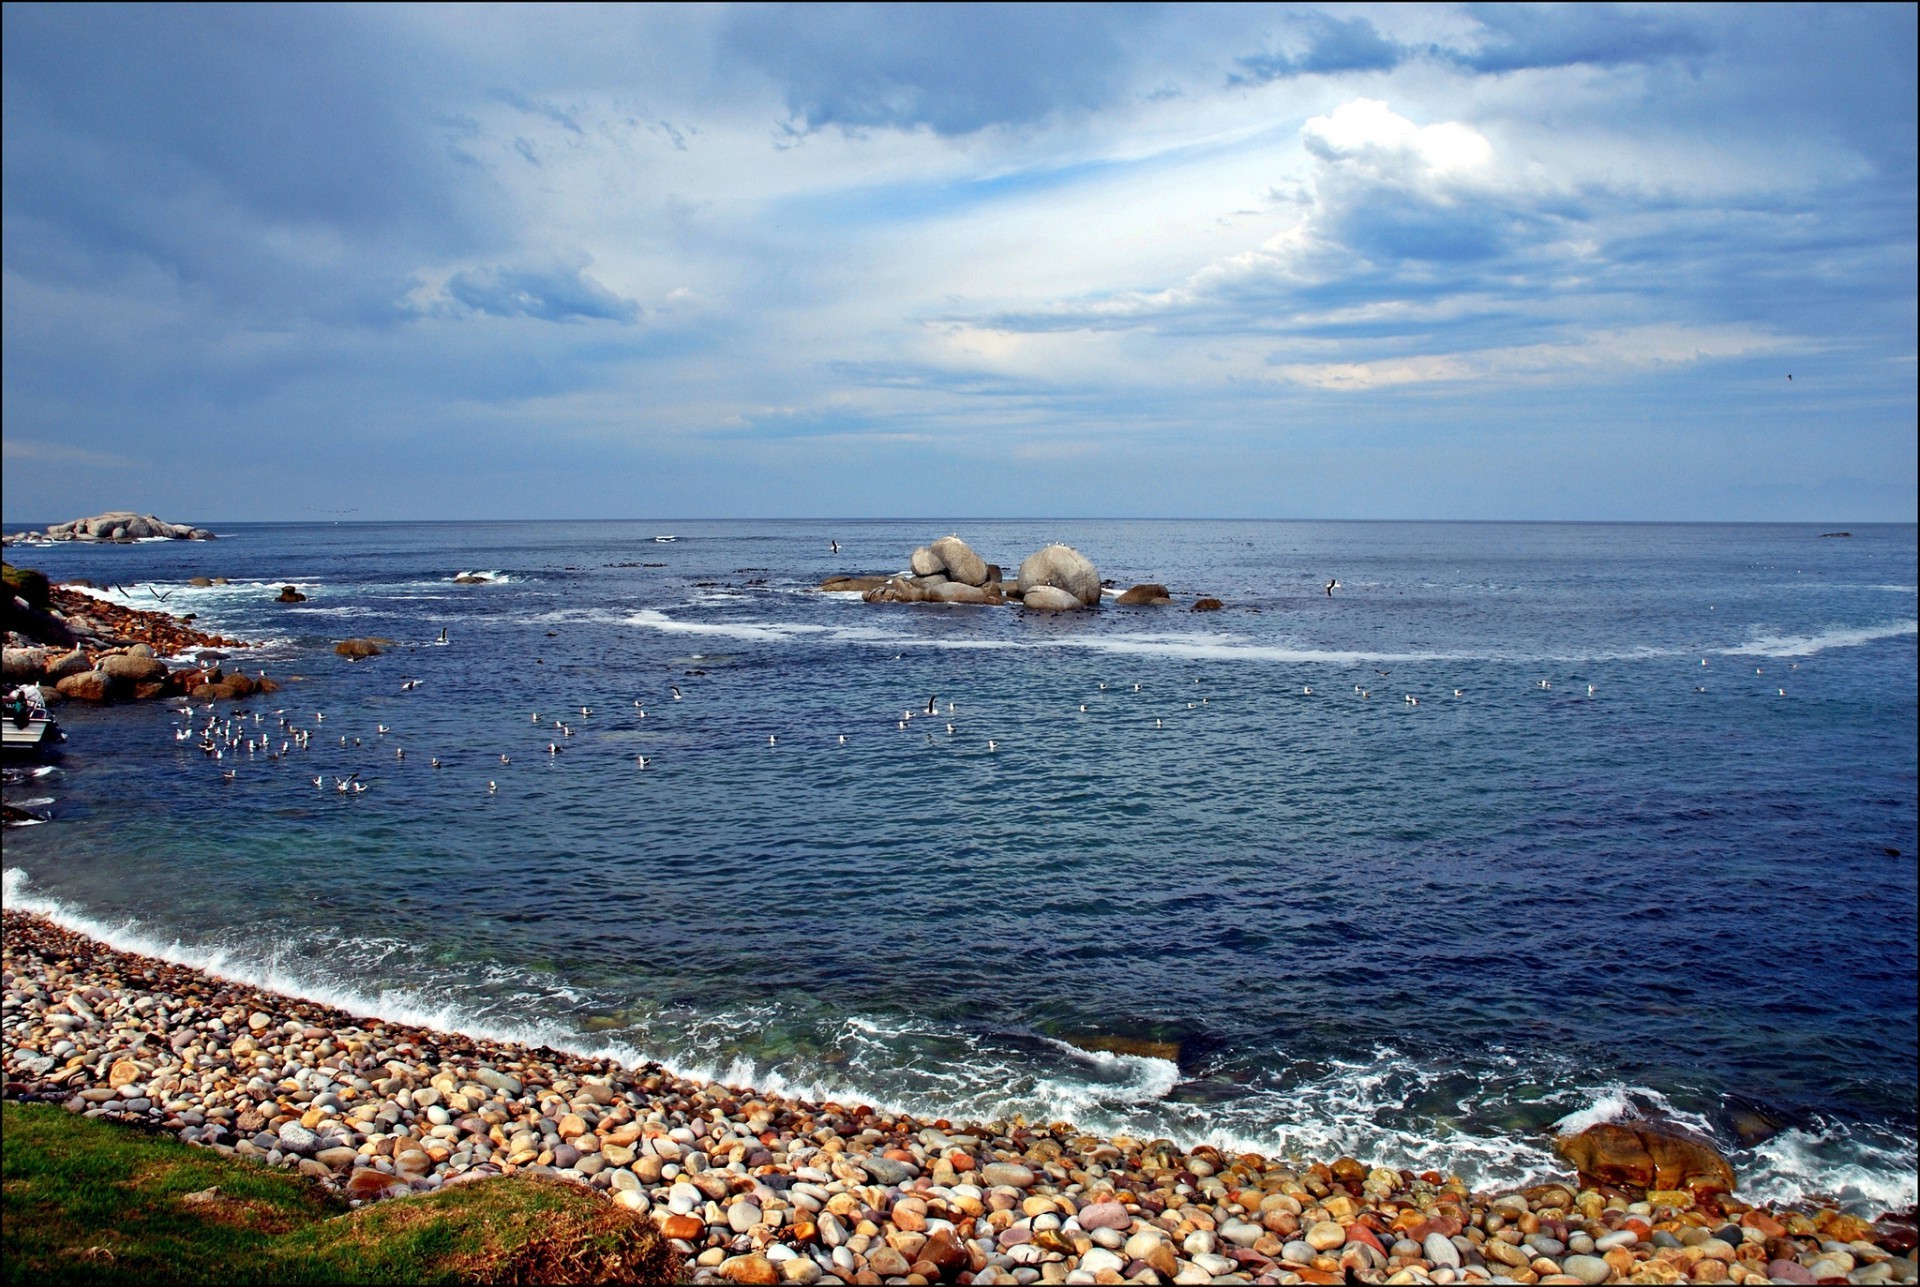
[{"x": 1642, "y": 842}]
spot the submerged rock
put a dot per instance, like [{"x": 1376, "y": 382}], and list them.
[{"x": 1651, "y": 1155}]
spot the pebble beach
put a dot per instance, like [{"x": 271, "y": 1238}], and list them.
[{"x": 758, "y": 1188}]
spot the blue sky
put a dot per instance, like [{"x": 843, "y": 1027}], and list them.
[{"x": 1263, "y": 261}]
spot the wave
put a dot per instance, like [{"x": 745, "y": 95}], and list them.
[
  {"x": 1773, "y": 645},
  {"x": 932, "y": 1068}
]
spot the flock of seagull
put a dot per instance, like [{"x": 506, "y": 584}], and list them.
[{"x": 243, "y": 733}]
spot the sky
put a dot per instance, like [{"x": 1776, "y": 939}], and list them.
[{"x": 1295, "y": 261}]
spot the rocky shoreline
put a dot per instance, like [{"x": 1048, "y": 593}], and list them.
[
  {"x": 81, "y": 646},
  {"x": 756, "y": 1188}
]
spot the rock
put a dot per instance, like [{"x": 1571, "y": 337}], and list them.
[
  {"x": 1063, "y": 568},
  {"x": 1047, "y": 598},
  {"x": 925, "y": 562},
  {"x": 291, "y": 594},
  {"x": 296, "y": 1138},
  {"x": 88, "y": 686},
  {"x": 71, "y": 663},
  {"x": 1325, "y": 1236},
  {"x": 1646, "y": 1155},
  {"x": 1104, "y": 1215},
  {"x": 959, "y": 562},
  {"x": 369, "y": 1185},
  {"x": 338, "y": 1158},
  {"x": 756, "y": 1269},
  {"x": 1012, "y": 1174},
  {"x": 131, "y": 670},
  {"x": 887, "y": 1262},
  {"x": 896, "y": 590},
  {"x": 199, "y": 582},
  {"x": 852, "y": 584},
  {"x": 1439, "y": 1250},
  {"x": 1588, "y": 1269},
  {"x": 1207, "y": 605},
  {"x": 1789, "y": 1271},
  {"x": 884, "y": 1170},
  {"x": 1147, "y": 594},
  {"x": 684, "y": 1227},
  {"x": 357, "y": 649},
  {"x": 1099, "y": 1258},
  {"x": 25, "y": 665},
  {"x": 468, "y": 578},
  {"x": 960, "y": 592}
]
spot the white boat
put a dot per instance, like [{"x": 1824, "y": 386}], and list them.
[{"x": 25, "y": 721}]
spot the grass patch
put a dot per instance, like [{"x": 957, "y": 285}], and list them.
[{"x": 93, "y": 1201}]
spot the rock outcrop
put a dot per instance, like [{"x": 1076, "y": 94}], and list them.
[
  {"x": 1145, "y": 595},
  {"x": 952, "y": 558},
  {"x": 1063, "y": 568},
  {"x": 1648, "y": 1155},
  {"x": 115, "y": 525},
  {"x": 357, "y": 649},
  {"x": 1050, "y": 598}
]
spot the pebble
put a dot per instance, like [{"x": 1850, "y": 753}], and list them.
[{"x": 759, "y": 1188}]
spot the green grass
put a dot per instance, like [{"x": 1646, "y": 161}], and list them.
[{"x": 92, "y": 1201}]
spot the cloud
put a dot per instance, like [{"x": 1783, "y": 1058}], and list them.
[
  {"x": 1332, "y": 45},
  {"x": 952, "y": 69},
  {"x": 552, "y": 295},
  {"x": 1517, "y": 37}
]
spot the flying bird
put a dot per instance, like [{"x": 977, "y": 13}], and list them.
[{"x": 1332, "y": 585}]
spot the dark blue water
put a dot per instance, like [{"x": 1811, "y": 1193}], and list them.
[{"x": 1219, "y": 906}]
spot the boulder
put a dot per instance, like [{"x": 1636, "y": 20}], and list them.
[
  {"x": 24, "y": 665},
  {"x": 291, "y": 594},
  {"x": 1063, "y": 568},
  {"x": 852, "y": 584},
  {"x": 959, "y": 592},
  {"x": 896, "y": 590},
  {"x": 925, "y": 562},
  {"x": 131, "y": 670},
  {"x": 1646, "y": 1155},
  {"x": 88, "y": 686},
  {"x": 1048, "y": 598},
  {"x": 357, "y": 649},
  {"x": 959, "y": 562},
  {"x": 1149, "y": 593},
  {"x": 1207, "y": 605}
]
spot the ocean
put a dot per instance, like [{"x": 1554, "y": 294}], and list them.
[{"x": 1524, "y": 826}]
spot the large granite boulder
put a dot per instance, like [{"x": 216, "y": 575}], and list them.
[
  {"x": 952, "y": 558},
  {"x": 88, "y": 686},
  {"x": 1063, "y": 568},
  {"x": 896, "y": 589},
  {"x": 1646, "y": 1155},
  {"x": 24, "y": 665},
  {"x": 60, "y": 665},
  {"x": 959, "y": 562},
  {"x": 130, "y": 669},
  {"x": 961, "y": 592},
  {"x": 1050, "y": 598},
  {"x": 125, "y": 525}
]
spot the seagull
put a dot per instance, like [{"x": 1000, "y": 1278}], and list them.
[
  {"x": 343, "y": 784},
  {"x": 553, "y": 748},
  {"x": 319, "y": 717},
  {"x": 675, "y": 691},
  {"x": 585, "y": 711},
  {"x": 1545, "y": 684},
  {"x": 228, "y": 775},
  {"x": 358, "y": 787},
  {"x": 834, "y": 546},
  {"x": 1589, "y": 690},
  {"x": 435, "y": 761},
  {"x": 443, "y": 634},
  {"x": 1083, "y": 707},
  {"x": 320, "y": 781},
  {"x": 903, "y": 723},
  {"x": 1136, "y": 688},
  {"x": 1331, "y": 587},
  {"x": 1457, "y": 693},
  {"x": 1783, "y": 692},
  {"x": 492, "y": 786},
  {"x": 933, "y": 705},
  {"x": 381, "y": 728},
  {"x": 1157, "y": 724},
  {"x": 950, "y": 727},
  {"x": 1306, "y": 692},
  {"x": 1412, "y": 700},
  {"x": 992, "y": 745},
  {"x": 843, "y": 739},
  {"x": 505, "y": 760},
  {"x": 769, "y": 739},
  {"x": 640, "y": 761},
  {"x": 536, "y": 717},
  {"x": 399, "y": 753}
]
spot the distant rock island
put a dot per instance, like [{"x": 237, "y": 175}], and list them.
[{"x": 120, "y": 525}]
